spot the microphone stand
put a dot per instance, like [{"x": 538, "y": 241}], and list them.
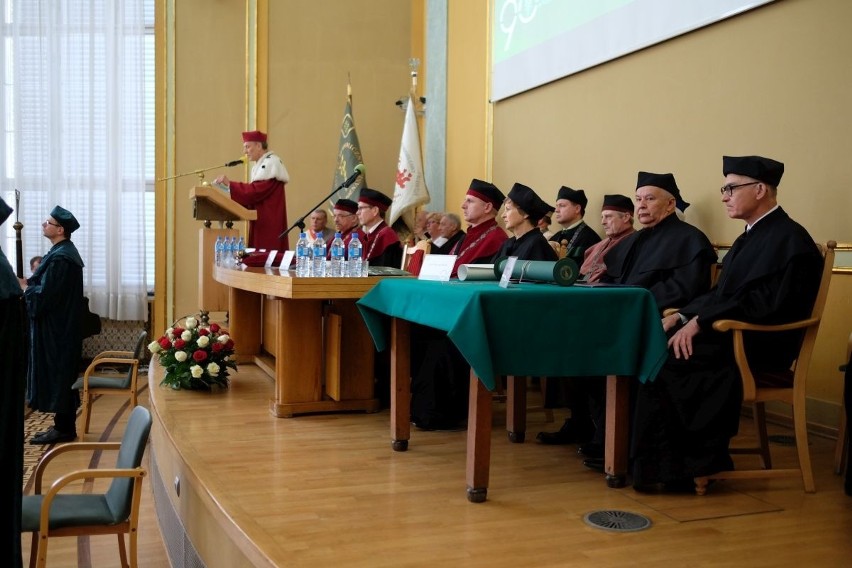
[
  {"x": 300, "y": 222},
  {"x": 200, "y": 173}
]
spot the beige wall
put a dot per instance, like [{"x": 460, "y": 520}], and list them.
[
  {"x": 312, "y": 48},
  {"x": 467, "y": 93},
  {"x": 774, "y": 81}
]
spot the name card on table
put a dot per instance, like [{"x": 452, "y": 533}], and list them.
[
  {"x": 288, "y": 258},
  {"x": 437, "y": 267},
  {"x": 270, "y": 259},
  {"x": 507, "y": 271}
]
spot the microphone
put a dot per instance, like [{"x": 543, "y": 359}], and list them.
[
  {"x": 237, "y": 162},
  {"x": 359, "y": 169}
]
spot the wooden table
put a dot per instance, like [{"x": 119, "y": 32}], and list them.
[
  {"x": 306, "y": 334},
  {"x": 499, "y": 332}
]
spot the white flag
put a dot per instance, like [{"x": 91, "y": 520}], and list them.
[{"x": 410, "y": 190}]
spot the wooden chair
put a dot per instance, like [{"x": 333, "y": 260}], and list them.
[
  {"x": 72, "y": 514},
  {"x": 757, "y": 393},
  {"x": 412, "y": 256},
  {"x": 96, "y": 381},
  {"x": 841, "y": 447}
]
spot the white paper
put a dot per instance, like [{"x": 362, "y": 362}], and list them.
[
  {"x": 507, "y": 271},
  {"x": 477, "y": 272},
  {"x": 270, "y": 258},
  {"x": 437, "y": 267},
  {"x": 288, "y": 258}
]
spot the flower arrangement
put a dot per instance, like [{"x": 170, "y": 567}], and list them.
[{"x": 195, "y": 357}]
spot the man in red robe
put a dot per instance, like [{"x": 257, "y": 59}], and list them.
[
  {"x": 381, "y": 243},
  {"x": 484, "y": 237},
  {"x": 264, "y": 193}
]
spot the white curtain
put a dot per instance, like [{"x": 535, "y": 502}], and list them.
[{"x": 74, "y": 135}]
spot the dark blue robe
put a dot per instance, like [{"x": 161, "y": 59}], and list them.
[{"x": 54, "y": 298}]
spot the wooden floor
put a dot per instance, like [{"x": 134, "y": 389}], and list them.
[{"x": 328, "y": 490}]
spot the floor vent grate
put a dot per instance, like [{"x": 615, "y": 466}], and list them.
[{"x": 617, "y": 521}]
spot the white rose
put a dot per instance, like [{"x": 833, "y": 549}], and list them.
[
  {"x": 203, "y": 341},
  {"x": 213, "y": 369},
  {"x": 186, "y": 335},
  {"x": 191, "y": 323},
  {"x": 154, "y": 347},
  {"x": 170, "y": 333},
  {"x": 223, "y": 338},
  {"x": 180, "y": 356},
  {"x": 196, "y": 371}
]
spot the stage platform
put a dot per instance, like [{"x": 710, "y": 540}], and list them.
[{"x": 235, "y": 486}]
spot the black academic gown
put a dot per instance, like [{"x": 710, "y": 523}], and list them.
[
  {"x": 447, "y": 246},
  {"x": 530, "y": 246},
  {"x": 440, "y": 375},
  {"x": 14, "y": 369},
  {"x": 54, "y": 297},
  {"x": 685, "y": 419},
  {"x": 585, "y": 237},
  {"x": 672, "y": 260}
]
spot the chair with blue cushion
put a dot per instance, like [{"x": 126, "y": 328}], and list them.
[
  {"x": 116, "y": 511},
  {"x": 100, "y": 377}
]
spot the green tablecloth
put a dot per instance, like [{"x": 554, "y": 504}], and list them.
[{"x": 528, "y": 329}]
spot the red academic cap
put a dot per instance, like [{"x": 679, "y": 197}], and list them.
[{"x": 254, "y": 136}]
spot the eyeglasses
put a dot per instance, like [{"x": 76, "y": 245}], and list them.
[
  {"x": 729, "y": 189},
  {"x": 361, "y": 207},
  {"x": 54, "y": 224}
]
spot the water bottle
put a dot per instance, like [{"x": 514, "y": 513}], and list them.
[
  {"x": 241, "y": 251},
  {"x": 319, "y": 257},
  {"x": 303, "y": 256},
  {"x": 354, "y": 261},
  {"x": 220, "y": 244},
  {"x": 338, "y": 257},
  {"x": 228, "y": 252}
]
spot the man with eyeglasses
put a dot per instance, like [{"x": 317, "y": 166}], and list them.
[
  {"x": 686, "y": 418},
  {"x": 54, "y": 297},
  {"x": 344, "y": 215}
]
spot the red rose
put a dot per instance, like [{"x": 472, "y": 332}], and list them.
[
  {"x": 180, "y": 344},
  {"x": 230, "y": 344},
  {"x": 214, "y": 327},
  {"x": 199, "y": 356},
  {"x": 177, "y": 331},
  {"x": 217, "y": 347},
  {"x": 203, "y": 331},
  {"x": 165, "y": 343}
]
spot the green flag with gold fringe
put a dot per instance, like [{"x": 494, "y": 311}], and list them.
[{"x": 348, "y": 156}]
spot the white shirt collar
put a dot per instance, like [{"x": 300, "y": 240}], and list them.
[{"x": 750, "y": 227}]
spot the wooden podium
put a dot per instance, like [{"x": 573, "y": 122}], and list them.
[
  {"x": 307, "y": 334},
  {"x": 212, "y": 204}
]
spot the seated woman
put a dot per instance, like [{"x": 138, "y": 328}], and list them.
[
  {"x": 522, "y": 210},
  {"x": 440, "y": 375}
]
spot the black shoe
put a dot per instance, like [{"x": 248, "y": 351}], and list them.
[
  {"x": 684, "y": 485},
  {"x": 651, "y": 488},
  {"x": 591, "y": 450},
  {"x": 595, "y": 464},
  {"x": 564, "y": 435},
  {"x": 53, "y": 436}
]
